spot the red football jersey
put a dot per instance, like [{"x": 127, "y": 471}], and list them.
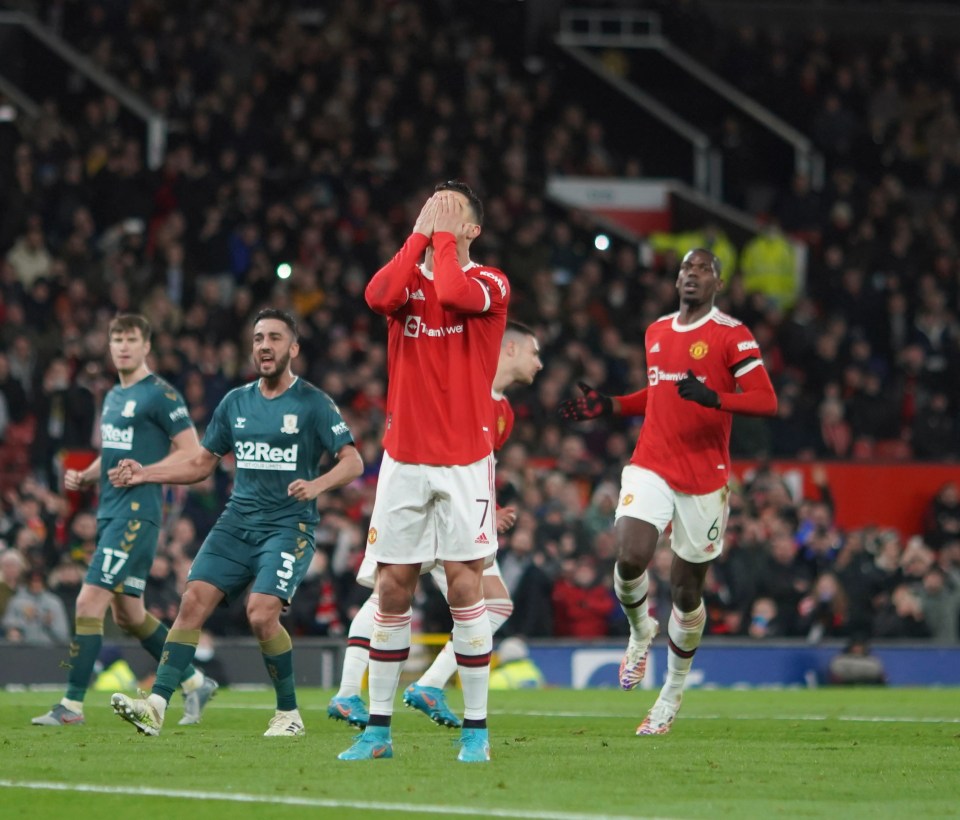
[
  {"x": 686, "y": 444},
  {"x": 444, "y": 332},
  {"x": 502, "y": 421}
]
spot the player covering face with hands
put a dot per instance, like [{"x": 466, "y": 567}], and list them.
[
  {"x": 702, "y": 366},
  {"x": 435, "y": 501}
]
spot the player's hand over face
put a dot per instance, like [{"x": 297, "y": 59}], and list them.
[
  {"x": 591, "y": 405},
  {"x": 692, "y": 389},
  {"x": 506, "y": 518},
  {"x": 450, "y": 216},
  {"x": 428, "y": 214},
  {"x": 303, "y": 490}
]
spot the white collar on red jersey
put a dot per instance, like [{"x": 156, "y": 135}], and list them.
[
  {"x": 699, "y": 323},
  {"x": 496, "y": 394},
  {"x": 429, "y": 273}
]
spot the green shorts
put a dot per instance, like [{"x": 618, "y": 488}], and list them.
[
  {"x": 275, "y": 560},
  {"x": 125, "y": 550}
]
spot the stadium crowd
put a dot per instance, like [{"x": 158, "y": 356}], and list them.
[{"x": 294, "y": 148}]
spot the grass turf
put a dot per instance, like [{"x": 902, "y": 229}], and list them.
[{"x": 556, "y": 754}]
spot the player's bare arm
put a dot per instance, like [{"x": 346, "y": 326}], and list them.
[
  {"x": 348, "y": 467},
  {"x": 180, "y": 467},
  {"x": 80, "y": 479}
]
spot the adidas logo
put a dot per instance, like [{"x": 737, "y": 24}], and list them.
[
  {"x": 481, "y": 539},
  {"x": 418, "y": 294},
  {"x": 655, "y": 348}
]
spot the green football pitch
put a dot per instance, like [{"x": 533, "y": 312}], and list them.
[{"x": 556, "y": 754}]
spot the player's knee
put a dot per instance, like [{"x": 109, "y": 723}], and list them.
[
  {"x": 686, "y": 597},
  {"x": 263, "y": 619},
  {"x": 90, "y": 605},
  {"x": 463, "y": 590},
  {"x": 123, "y": 620},
  {"x": 394, "y": 595}
]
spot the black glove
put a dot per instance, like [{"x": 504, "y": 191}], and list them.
[
  {"x": 692, "y": 389},
  {"x": 592, "y": 405}
]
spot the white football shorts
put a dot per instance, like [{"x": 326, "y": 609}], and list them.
[
  {"x": 699, "y": 521},
  {"x": 425, "y": 513}
]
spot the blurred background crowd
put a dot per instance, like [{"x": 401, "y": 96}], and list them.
[{"x": 299, "y": 155}]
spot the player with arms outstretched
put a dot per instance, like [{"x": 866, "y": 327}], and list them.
[
  {"x": 143, "y": 417},
  {"x": 702, "y": 367},
  {"x": 519, "y": 363},
  {"x": 278, "y": 428},
  {"x": 435, "y": 496}
]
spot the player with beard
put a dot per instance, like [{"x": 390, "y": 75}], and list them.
[
  {"x": 702, "y": 367},
  {"x": 278, "y": 428},
  {"x": 145, "y": 418}
]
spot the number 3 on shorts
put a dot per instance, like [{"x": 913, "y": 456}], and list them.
[{"x": 714, "y": 532}]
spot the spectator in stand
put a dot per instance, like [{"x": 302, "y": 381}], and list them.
[
  {"x": 764, "y": 620},
  {"x": 860, "y": 579},
  {"x": 35, "y": 616},
  {"x": 824, "y": 612},
  {"x": 934, "y": 434},
  {"x": 785, "y": 581},
  {"x": 161, "y": 597},
  {"x": 314, "y": 610},
  {"x": 14, "y": 396},
  {"x": 12, "y": 567},
  {"x": 65, "y": 418},
  {"x": 942, "y": 517},
  {"x": 901, "y": 617},
  {"x": 940, "y": 604},
  {"x": 529, "y": 586},
  {"x": 582, "y": 604},
  {"x": 65, "y": 582}
]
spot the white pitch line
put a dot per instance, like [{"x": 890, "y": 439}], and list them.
[
  {"x": 314, "y": 802},
  {"x": 630, "y": 716}
]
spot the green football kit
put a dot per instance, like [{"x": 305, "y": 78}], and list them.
[
  {"x": 137, "y": 422},
  {"x": 265, "y": 535}
]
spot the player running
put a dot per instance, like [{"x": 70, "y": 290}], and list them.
[
  {"x": 702, "y": 366},
  {"x": 144, "y": 418},
  {"x": 278, "y": 428},
  {"x": 519, "y": 363}
]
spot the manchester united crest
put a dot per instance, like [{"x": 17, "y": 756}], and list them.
[
  {"x": 699, "y": 349},
  {"x": 501, "y": 424},
  {"x": 372, "y": 536}
]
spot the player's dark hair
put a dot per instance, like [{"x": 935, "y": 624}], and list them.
[
  {"x": 461, "y": 187},
  {"x": 519, "y": 327},
  {"x": 123, "y": 322},
  {"x": 282, "y": 315},
  {"x": 714, "y": 259}
]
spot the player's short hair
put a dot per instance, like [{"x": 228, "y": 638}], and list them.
[
  {"x": 518, "y": 328},
  {"x": 123, "y": 322},
  {"x": 282, "y": 315},
  {"x": 461, "y": 187},
  {"x": 714, "y": 259}
]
